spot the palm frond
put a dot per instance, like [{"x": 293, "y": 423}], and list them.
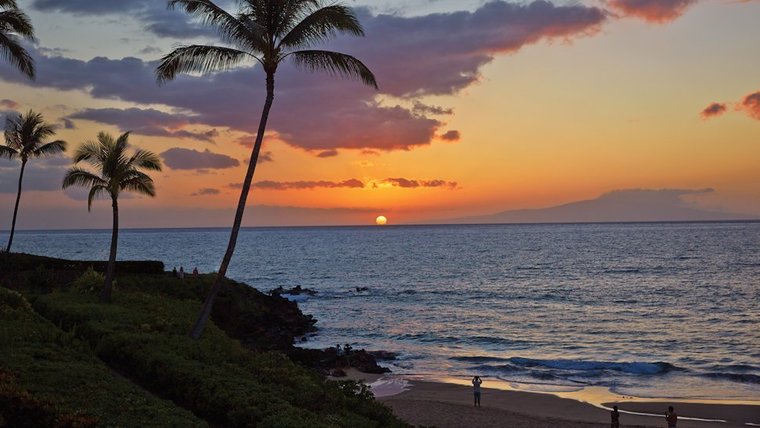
[
  {"x": 198, "y": 59},
  {"x": 8, "y": 4},
  {"x": 322, "y": 25},
  {"x": 90, "y": 152},
  {"x": 50, "y": 149},
  {"x": 145, "y": 160},
  {"x": 8, "y": 152},
  {"x": 139, "y": 185},
  {"x": 14, "y": 53},
  {"x": 83, "y": 178},
  {"x": 334, "y": 63},
  {"x": 15, "y": 21},
  {"x": 230, "y": 28},
  {"x": 95, "y": 192}
]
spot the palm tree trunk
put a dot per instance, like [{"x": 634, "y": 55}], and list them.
[
  {"x": 105, "y": 295},
  {"x": 208, "y": 304},
  {"x": 15, "y": 210}
]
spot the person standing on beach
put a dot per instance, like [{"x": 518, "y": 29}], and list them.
[
  {"x": 476, "y": 381},
  {"x": 615, "y": 417},
  {"x": 671, "y": 417}
]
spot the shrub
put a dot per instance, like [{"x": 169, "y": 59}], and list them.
[{"x": 89, "y": 282}]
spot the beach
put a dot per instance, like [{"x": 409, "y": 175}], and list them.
[{"x": 443, "y": 405}]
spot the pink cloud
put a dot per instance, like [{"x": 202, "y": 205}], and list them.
[
  {"x": 751, "y": 105},
  {"x": 713, "y": 110},
  {"x": 655, "y": 11},
  {"x": 451, "y": 136}
]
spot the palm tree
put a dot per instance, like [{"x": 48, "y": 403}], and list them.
[
  {"x": 14, "y": 24},
  {"x": 117, "y": 172},
  {"x": 25, "y": 137},
  {"x": 267, "y": 32}
]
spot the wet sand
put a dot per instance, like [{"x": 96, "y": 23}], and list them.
[{"x": 450, "y": 405}]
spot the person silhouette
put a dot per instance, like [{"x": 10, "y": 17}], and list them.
[
  {"x": 671, "y": 417},
  {"x": 615, "y": 417},
  {"x": 476, "y": 381},
  {"x": 181, "y": 272}
]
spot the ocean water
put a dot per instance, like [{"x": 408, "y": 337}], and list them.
[{"x": 650, "y": 310}]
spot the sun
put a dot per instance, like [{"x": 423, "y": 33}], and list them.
[{"x": 381, "y": 220}]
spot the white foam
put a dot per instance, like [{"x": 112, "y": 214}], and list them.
[{"x": 388, "y": 386}]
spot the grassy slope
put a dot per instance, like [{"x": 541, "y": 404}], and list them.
[
  {"x": 142, "y": 335},
  {"x": 63, "y": 379}
]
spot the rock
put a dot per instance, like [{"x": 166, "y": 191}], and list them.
[
  {"x": 383, "y": 355},
  {"x": 338, "y": 373}
]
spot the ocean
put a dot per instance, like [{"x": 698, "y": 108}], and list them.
[{"x": 647, "y": 310}]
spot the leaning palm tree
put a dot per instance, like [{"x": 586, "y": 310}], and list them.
[
  {"x": 25, "y": 138},
  {"x": 117, "y": 172},
  {"x": 15, "y": 25},
  {"x": 266, "y": 32}
]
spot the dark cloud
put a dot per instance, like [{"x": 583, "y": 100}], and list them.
[
  {"x": 424, "y": 109},
  {"x": 452, "y": 135},
  {"x": 179, "y": 158},
  {"x": 713, "y": 110},
  {"x": 149, "y": 122},
  {"x": 40, "y": 174},
  {"x": 656, "y": 11},
  {"x": 328, "y": 154},
  {"x": 68, "y": 124},
  {"x": 206, "y": 192},
  {"x": 152, "y": 13},
  {"x": 414, "y": 184},
  {"x": 751, "y": 105},
  {"x": 310, "y": 185},
  {"x": 436, "y": 54}
]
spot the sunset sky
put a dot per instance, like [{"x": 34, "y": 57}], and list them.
[{"x": 483, "y": 107}]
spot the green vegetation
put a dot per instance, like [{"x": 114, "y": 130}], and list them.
[
  {"x": 59, "y": 354},
  {"x": 267, "y": 32},
  {"x": 49, "y": 378}
]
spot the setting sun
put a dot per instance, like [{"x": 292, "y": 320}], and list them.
[{"x": 381, "y": 220}]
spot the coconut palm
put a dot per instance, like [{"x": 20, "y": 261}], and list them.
[
  {"x": 266, "y": 32},
  {"x": 117, "y": 172},
  {"x": 15, "y": 25},
  {"x": 25, "y": 138}
]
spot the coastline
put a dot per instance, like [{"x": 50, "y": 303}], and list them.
[{"x": 448, "y": 403}]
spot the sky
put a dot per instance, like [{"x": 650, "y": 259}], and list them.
[{"x": 482, "y": 107}]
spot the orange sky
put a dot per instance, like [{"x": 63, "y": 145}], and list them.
[{"x": 549, "y": 120}]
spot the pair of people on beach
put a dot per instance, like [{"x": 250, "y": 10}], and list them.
[{"x": 671, "y": 417}]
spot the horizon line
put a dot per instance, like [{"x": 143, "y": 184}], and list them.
[{"x": 399, "y": 225}]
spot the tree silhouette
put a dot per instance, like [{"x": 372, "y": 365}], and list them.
[
  {"x": 15, "y": 25},
  {"x": 25, "y": 138},
  {"x": 117, "y": 172},
  {"x": 267, "y": 32}
]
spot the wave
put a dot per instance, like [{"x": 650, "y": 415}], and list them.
[
  {"x": 734, "y": 377},
  {"x": 635, "y": 368}
]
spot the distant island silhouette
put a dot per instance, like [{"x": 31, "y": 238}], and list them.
[{"x": 630, "y": 205}]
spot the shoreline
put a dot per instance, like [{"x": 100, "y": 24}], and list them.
[{"x": 447, "y": 402}]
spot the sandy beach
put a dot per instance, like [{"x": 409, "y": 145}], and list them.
[{"x": 449, "y": 405}]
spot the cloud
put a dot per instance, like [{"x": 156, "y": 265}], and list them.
[
  {"x": 452, "y": 135},
  {"x": 148, "y": 122},
  {"x": 713, "y": 110},
  {"x": 751, "y": 105},
  {"x": 152, "y": 13},
  {"x": 414, "y": 184},
  {"x": 179, "y": 158},
  {"x": 39, "y": 175},
  {"x": 9, "y": 104},
  {"x": 436, "y": 54},
  {"x": 68, "y": 124},
  {"x": 328, "y": 153},
  {"x": 655, "y": 11},
  {"x": 310, "y": 185},
  {"x": 206, "y": 192}
]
